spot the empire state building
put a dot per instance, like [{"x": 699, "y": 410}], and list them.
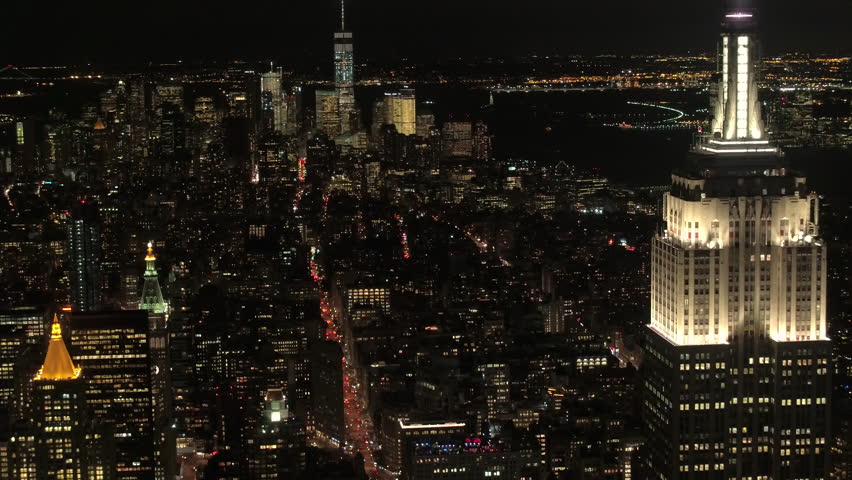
[{"x": 736, "y": 381}]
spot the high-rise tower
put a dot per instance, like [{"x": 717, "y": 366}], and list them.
[
  {"x": 84, "y": 249},
  {"x": 20, "y": 329},
  {"x": 272, "y": 105},
  {"x": 115, "y": 351},
  {"x": 736, "y": 372},
  {"x": 59, "y": 413},
  {"x": 276, "y": 446},
  {"x": 400, "y": 110},
  {"x": 158, "y": 343},
  {"x": 344, "y": 73}
]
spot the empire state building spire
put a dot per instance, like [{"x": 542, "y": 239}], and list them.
[
  {"x": 738, "y": 112},
  {"x": 737, "y": 127},
  {"x": 152, "y": 296}
]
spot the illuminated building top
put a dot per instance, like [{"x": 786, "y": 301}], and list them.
[
  {"x": 737, "y": 126},
  {"x": 344, "y": 72},
  {"x": 741, "y": 254},
  {"x": 343, "y": 53},
  {"x": 57, "y": 363},
  {"x": 152, "y": 296},
  {"x": 276, "y": 405}
]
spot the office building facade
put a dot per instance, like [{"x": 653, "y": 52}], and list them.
[
  {"x": 114, "y": 348},
  {"x": 84, "y": 250}
]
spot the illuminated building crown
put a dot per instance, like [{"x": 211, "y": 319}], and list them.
[
  {"x": 57, "y": 363},
  {"x": 737, "y": 126},
  {"x": 152, "y": 296}
]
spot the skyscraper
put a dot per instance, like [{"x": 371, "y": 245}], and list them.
[
  {"x": 84, "y": 249},
  {"x": 293, "y": 110},
  {"x": 161, "y": 389},
  {"x": 114, "y": 348},
  {"x": 457, "y": 138},
  {"x": 20, "y": 329},
  {"x": 344, "y": 74},
  {"x": 59, "y": 410},
  {"x": 400, "y": 110},
  {"x": 171, "y": 144},
  {"x": 328, "y": 118},
  {"x": 481, "y": 142},
  {"x": 736, "y": 372},
  {"x": 167, "y": 93},
  {"x": 276, "y": 447},
  {"x": 495, "y": 385},
  {"x": 272, "y": 105}
]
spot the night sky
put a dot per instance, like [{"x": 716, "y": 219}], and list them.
[{"x": 299, "y": 31}]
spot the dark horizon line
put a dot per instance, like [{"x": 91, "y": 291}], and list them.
[{"x": 375, "y": 61}]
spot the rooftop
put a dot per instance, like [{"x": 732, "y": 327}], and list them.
[{"x": 57, "y": 363}]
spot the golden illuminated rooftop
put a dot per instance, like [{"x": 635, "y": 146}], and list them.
[
  {"x": 150, "y": 256},
  {"x": 57, "y": 363}
]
